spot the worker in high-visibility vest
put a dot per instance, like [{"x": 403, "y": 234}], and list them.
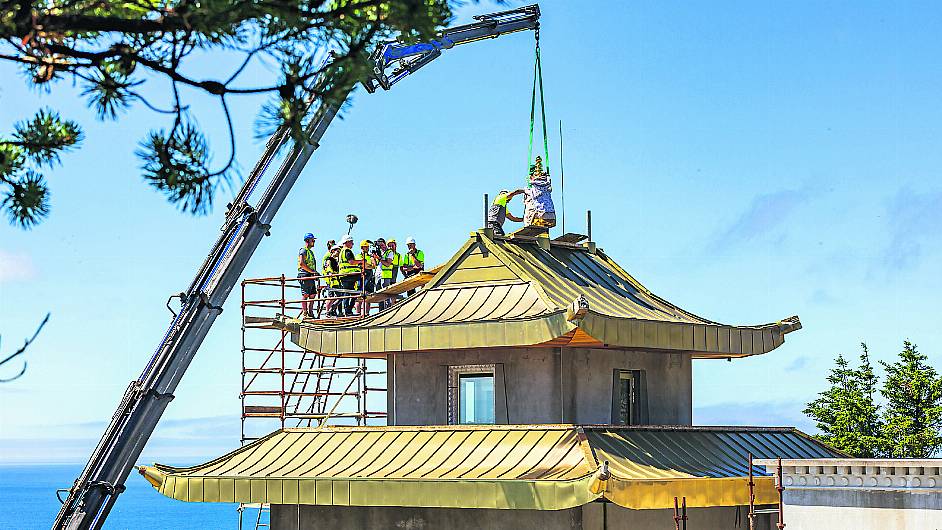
[
  {"x": 307, "y": 268},
  {"x": 350, "y": 270},
  {"x": 413, "y": 261},
  {"x": 330, "y": 267},
  {"x": 368, "y": 257},
  {"x": 389, "y": 267},
  {"x": 497, "y": 212}
]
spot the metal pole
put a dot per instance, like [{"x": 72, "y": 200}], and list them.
[
  {"x": 284, "y": 404},
  {"x": 780, "y": 487},
  {"x": 676, "y": 515},
  {"x": 562, "y": 182},
  {"x": 487, "y": 203},
  {"x": 242, "y": 394},
  {"x": 588, "y": 223},
  {"x": 752, "y": 498},
  {"x": 683, "y": 513}
]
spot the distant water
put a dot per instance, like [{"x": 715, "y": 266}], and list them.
[{"x": 28, "y": 500}]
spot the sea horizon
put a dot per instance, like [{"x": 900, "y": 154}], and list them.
[{"x": 30, "y": 488}]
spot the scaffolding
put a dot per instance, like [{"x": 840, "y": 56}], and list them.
[{"x": 284, "y": 386}]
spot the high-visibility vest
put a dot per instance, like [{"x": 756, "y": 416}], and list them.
[
  {"x": 367, "y": 260},
  {"x": 345, "y": 268},
  {"x": 395, "y": 258},
  {"x": 309, "y": 259},
  {"x": 328, "y": 269},
  {"x": 409, "y": 259}
]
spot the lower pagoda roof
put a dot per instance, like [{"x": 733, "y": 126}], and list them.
[
  {"x": 533, "y": 467},
  {"x": 519, "y": 292}
]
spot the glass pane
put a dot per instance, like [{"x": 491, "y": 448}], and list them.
[
  {"x": 476, "y": 399},
  {"x": 625, "y": 392}
]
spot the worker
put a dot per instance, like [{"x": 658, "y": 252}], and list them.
[
  {"x": 413, "y": 261},
  {"x": 368, "y": 257},
  {"x": 350, "y": 269},
  {"x": 330, "y": 267},
  {"x": 538, "y": 199},
  {"x": 396, "y": 259},
  {"x": 497, "y": 212},
  {"x": 307, "y": 268},
  {"x": 388, "y": 266}
]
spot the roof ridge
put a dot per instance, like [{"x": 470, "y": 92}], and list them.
[{"x": 511, "y": 264}]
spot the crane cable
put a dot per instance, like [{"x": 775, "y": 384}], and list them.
[{"x": 537, "y": 80}]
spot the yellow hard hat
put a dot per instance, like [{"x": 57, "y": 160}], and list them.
[
  {"x": 391, "y": 241},
  {"x": 364, "y": 243}
]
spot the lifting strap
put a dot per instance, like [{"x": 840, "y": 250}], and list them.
[{"x": 537, "y": 80}]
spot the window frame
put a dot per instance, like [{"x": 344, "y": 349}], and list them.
[
  {"x": 496, "y": 370},
  {"x": 638, "y": 413}
]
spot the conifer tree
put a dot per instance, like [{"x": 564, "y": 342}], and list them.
[
  {"x": 147, "y": 53},
  {"x": 846, "y": 413},
  {"x": 913, "y": 417}
]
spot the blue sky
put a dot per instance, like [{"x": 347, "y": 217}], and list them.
[{"x": 746, "y": 161}]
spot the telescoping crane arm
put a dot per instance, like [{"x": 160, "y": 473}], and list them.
[{"x": 97, "y": 488}]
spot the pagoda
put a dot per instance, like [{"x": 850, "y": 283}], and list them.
[{"x": 531, "y": 383}]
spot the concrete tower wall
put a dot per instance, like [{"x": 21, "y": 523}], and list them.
[{"x": 543, "y": 385}]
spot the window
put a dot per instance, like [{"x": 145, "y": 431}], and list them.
[
  {"x": 476, "y": 399},
  {"x": 629, "y": 398},
  {"x": 476, "y": 395}
]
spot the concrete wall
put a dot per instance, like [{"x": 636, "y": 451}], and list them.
[
  {"x": 856, "y": 518},
  {"x": 592, "y": 516},
  {"x": 608, "y": 516},
  {"x": 861, "y": 493},
  {"x": 543, "y": 385},
  {"x": 589, "y": 376},
  {"x": 288, "y": 517},
  {"x": 862, "y": 509}
]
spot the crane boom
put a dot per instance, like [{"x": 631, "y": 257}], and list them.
[{"x": 95, "y": 491}]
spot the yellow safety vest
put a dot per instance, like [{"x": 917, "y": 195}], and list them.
[
  {"x": 396, "y": 258},
  {"x": 345, "y": 268},
  {"x": 367, "y": 260},
  {"x": 328, "y": 269},
  {"x": 309, "y": 259}
]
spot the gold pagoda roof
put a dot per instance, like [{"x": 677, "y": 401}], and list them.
[
  {"x": 536, "y": 467},
  {"x": 498, "y": 292}
]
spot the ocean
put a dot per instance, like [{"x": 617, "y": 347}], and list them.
[{"x": 28, "y": 500}]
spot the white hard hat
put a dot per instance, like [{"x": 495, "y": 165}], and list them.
[
  {"x": 346, "y": 238},
  {"x": 410, "y": 240}
]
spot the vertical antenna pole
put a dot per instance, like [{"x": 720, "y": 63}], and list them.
[
  {"x": 562, "y": 181},
  {"x": 588, "y": 223},
  {"x": 486, "y": 204}
]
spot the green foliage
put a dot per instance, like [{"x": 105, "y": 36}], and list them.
[
  {"x": 34, "y": 144},
  {"x": 112, "y": 49},
  {"x": 908, "y": 425},
  {"x": 913, "y": 393},
  {"x": 846, "y": 413}
]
